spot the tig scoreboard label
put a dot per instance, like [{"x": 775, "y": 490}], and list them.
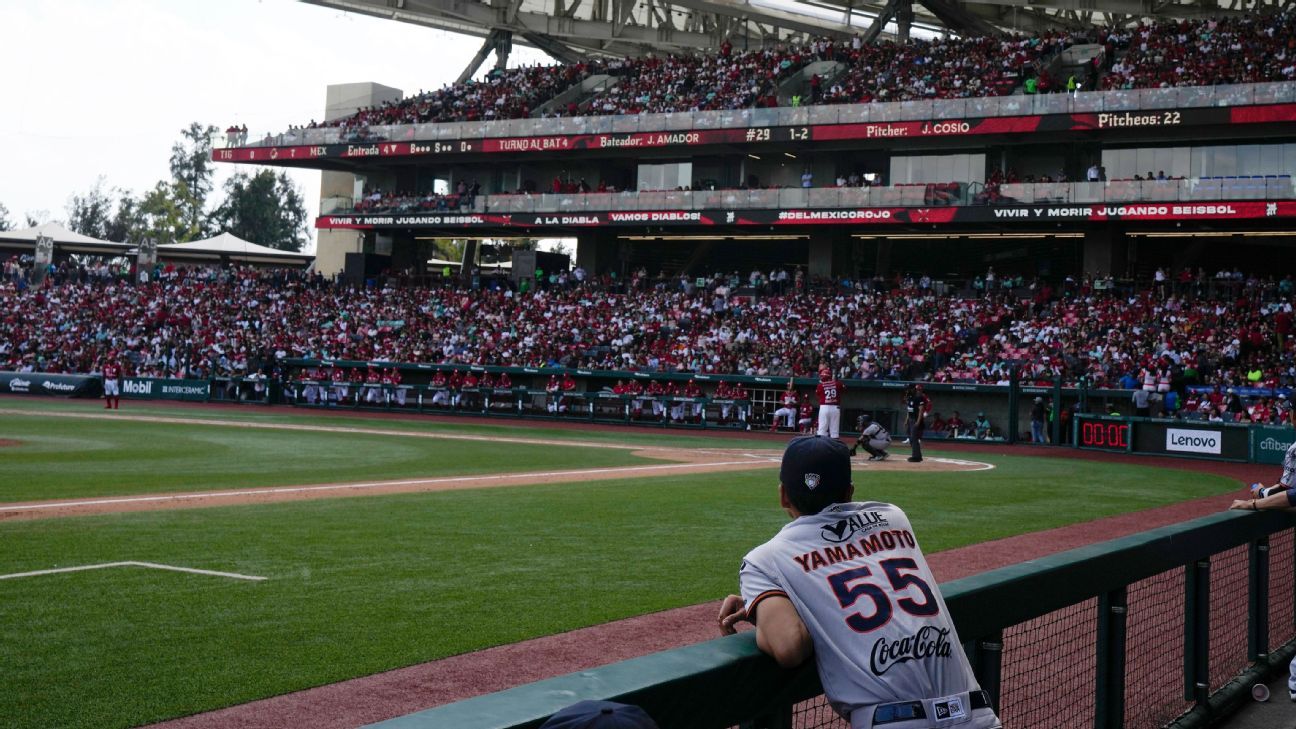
[{"x": 1194, "y": 441}]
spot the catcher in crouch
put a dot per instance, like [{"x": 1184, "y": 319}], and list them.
[{"x": 872, "y": 437}]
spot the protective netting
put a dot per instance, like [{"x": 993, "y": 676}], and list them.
[
  {"x": 1282, "y": 585},
  {"x": 1048, "y": 670},
  {"x": 816, "y": 714},
  {"x": 1228, "y": 615},
  {"x": 1154, "y": 626},
  {"x": 1049, "y": 663}
]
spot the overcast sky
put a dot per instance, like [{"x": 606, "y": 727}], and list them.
[{"x": 97, "y": 87}]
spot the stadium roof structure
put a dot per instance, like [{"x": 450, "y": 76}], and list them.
[{"x": 569, "y": 30}]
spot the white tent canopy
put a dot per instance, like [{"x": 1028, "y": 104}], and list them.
[
  {"x": 229, "y": 244},
  {"x": 60, "y": 235}
]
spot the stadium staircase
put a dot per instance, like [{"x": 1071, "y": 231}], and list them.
[
  {"x": 798, "y": 84},
  {"x": 579, "y": 93}
]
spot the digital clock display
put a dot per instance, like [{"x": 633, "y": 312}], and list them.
[{"x": 1103, "y": 434}]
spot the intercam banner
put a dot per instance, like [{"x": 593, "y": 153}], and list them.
[
  {"x": 153, "y": 388},
  {"x": 1269, "y": 444},
  {"x": 40, "y": 383}
]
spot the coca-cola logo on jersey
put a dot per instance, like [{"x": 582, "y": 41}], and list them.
[{"x": 928, "y": 642}]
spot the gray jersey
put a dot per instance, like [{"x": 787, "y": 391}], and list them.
[
  {"x": 876, "y": 435},
  {"x": 858, "y": 580}
]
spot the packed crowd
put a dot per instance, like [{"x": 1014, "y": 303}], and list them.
[
  {"x": 1203, "y": 52},
  {"x": 198, "y": 322},
  {"x": 1200, "y": 52},
  {"x": 730, "y": 79},
  {"x": 940, "y": 68}
]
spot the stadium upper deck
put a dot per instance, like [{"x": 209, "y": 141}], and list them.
[{"x": 591, "y": 150}]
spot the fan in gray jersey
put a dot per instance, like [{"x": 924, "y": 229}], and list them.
[
  {"x": 847, "y": 582},
  {"x": 873, "y": 438}
]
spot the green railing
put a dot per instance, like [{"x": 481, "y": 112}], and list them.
[{"x": 1171, "y": 625}]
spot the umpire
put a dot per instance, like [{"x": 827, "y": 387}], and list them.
[{"x": 917, "y": 405}]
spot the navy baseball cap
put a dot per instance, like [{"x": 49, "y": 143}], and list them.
[
  {"x": 816, "y": 472},
  {"x": 592, "y": 714}
]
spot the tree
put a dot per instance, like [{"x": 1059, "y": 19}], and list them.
[
  {"x": 92, "y": 214},
  {"x": 264, "y": 208},
  {"x": 161, "y": 214},
  {"x": 5, "y": 222},
  {"x": 191, "y": 164},
  {"x": 127, "y": 224},
  {"x": 34, "y": 218}
]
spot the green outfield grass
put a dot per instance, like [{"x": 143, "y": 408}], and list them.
[
  {"x": 464, "y": 424},
  {"x": 68, "y": 457},
  {"x": 360, "y": 585}
]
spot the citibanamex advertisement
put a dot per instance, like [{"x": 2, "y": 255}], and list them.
[{"x": 1270, "y": 444}]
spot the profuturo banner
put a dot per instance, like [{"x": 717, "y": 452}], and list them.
[
  {"x": 1133, "y": 212},
  {"x": 763, "y": 135},
  {"x": 40, "y": 383}
]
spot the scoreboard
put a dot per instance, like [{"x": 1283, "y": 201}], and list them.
[{"x": 1104, "y": 434}]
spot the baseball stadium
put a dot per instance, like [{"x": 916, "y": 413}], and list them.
[{"x": 584, "y": 347}]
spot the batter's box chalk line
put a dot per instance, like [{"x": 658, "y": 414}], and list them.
[{"x": 146, "y": 565}]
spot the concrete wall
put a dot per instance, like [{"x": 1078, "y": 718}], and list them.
[{"x": 342, "y": 100}]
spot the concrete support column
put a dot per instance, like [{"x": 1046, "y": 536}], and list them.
[
  {"x": 821, "y": 256},
  {"x": 1106, "y": 252},
  {"x": 882, "y": 265},
  {"x": 599, "y": 252},
  {"x": 337, "y": 189}
]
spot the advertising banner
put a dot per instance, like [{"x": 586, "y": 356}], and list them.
[
  {"x": 880, "y": 216},
  {"x": 152, "y": 388},
  {"x": 764, "y": 135},
  {"x": 40, "y": 383},
  {"x": 1215, "y": 441},
  {"x": 1269, "y": 443}
]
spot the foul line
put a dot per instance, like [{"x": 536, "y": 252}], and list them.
[
  {"x": 335, "y": 429},
  {"x": 368, "y": 485},
  {"x": 148, "y": 565}
]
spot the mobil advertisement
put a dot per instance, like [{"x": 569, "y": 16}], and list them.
[{"x": 152, "y": 388}]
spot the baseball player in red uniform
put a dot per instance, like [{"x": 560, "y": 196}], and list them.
[
  {"x": 805, "y": 418},
  {"x": 456, "y": 387},
  {"x": 847, "y": 583},
  {"x": 828, "y": 392},
  {"x": 373, "y": 386},
  {"x": 655, "y": 391},
  {"x": 635, "y": 389},
  {"x": 112, "y": 373},
  {"x": 554, "y": 400},
  {"x": 470, "y": 382},
  {"x": 740, "y": 395},
  {"x": 695, "y": 409},
  {"x": 788, "y": 409},
  {"x": 337, "y": 376},
  {"x": 676, "y": 408},
  {"x": 440, "y": 396}
]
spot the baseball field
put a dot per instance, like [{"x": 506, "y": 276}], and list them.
[{"x": 158, "y": 562}]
